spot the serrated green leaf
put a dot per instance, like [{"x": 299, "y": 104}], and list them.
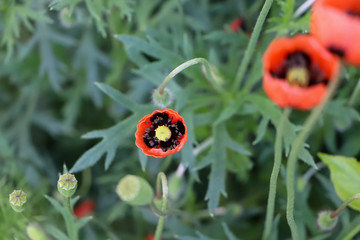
[
  {"x": 89, "y": 58},
  {"x": 230, "y": 109},
  {"x": 217, "y": 155},
  {"x": 83, "y": 221},
  {"x": 111, "y": 139},
  {"x": 261, "y": 130},
  {"x": 5, "y": 149},
  {"x": 345, "y": 175},
  {"x": 235, "y": 146},
  {"x": 56, "y": 204},
  {"x": 118, "y": 97},
  {"x": 187, "y": 153},
  {"x": 269, "y": 110},
  {"x": 228, "y": 233},
  {"x": 143, "y": 159},
  {"x": 188, "y": 48},
  {"x": 55, "y": 232},
  {"x": 342, "y": 114}
]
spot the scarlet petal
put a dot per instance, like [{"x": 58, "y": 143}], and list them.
[
  {"x": 145, "y": 122},
  {"x": 84, "y": 209},
  {"x": 279, "y": 90},
  {"x": 336, "y": 29},
  {"x": 236, "y": 24}
]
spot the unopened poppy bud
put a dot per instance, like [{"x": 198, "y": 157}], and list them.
[
  {"x": 212, "y": 75},
  {"x": 17, "y": 200},
  {"x": 134, "y": 190},
  {"x": 162, "y": 99},
  {"x": 325, "y": 222},
  {"x": 67, "y": 184},
  {"x": 35, "y": 232},
  {"x": 176, "y": 186}
]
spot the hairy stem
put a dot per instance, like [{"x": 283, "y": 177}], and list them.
[
  {"x": 252, "y": 43},
  {"x": 161, "y": 187},
  {"x": 295, "y": 148},
  {"x": 179, "y": 69},
  {"x": 274, "y": 174},
  {"x": 344, "y": 205}
]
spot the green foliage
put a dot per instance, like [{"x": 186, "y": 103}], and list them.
[
  {"x": 76, "y": 78},
  {"x": 345, "y": 175}
]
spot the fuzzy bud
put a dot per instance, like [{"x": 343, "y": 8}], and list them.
[
  {"x": 163, "y": 99},
  {"x": 134, "y": 190},
  {"x": 325, "y": 222},
  {"x": 17, "y": 200},
  {"x": 34, "y": 232},
  {"x": 67, "y": 184}
]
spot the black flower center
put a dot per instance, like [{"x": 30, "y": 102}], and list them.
[
  {"x": 159, "y": 125},
  {"x": 353, "y": 13},
  {"x": 298, "y": 70}
]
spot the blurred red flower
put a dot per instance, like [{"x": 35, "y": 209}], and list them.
[
  {"x": 84, "y": 208},
  {"x": 150, "y": 237},
  {"x": 297, "y": 70},
  {"x": 336, "y": 25},
  {"x": 237, "y": 24}
]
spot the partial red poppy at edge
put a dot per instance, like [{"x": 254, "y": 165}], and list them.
[
  {"x": 84, "y": 208},
  {"x": 336, "y": 25},
  {"x": 322, "y": 65},
  {"x": 149, "y": 126},
  {"x": 237, "y": 24},
  {"x": 151, "y": 237}
]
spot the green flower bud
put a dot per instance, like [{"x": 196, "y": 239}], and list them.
[
  {"x": 163, "y": 99},
  {"x": 176, "y": 186},
  {"x": 134, "y": 190},
  {"x": 67, "y": 184},
  {"x": 325, "y": 222},
  {"x": 17, "y": 200},
  {"x": 34, "y": 232}
]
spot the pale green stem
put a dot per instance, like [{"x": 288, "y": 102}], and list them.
[
  {"x": 354, "y": 93},
  {"x": 274, "y": 174},
  {"x": 161, "y": 187},
  {"x": 71, "y": 229},
  {"x": 68, "y": 205},
  {"x": 352, "y": 233},
  {"x": 295, "y": 148},
  {"x": 252, "y": 43},
  {"x": 344, "y": 205},
  {"x": 179, "y": 69}
]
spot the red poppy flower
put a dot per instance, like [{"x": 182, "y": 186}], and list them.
[
  {"x": 297, "y": 70},
  {"x": 237, "y": 24},
  {"x": 336, "y": 24},
  {"x": 150, "y": 237},
  {"x": 84, "y": 209},
  {"x": 161, "y": 133}
]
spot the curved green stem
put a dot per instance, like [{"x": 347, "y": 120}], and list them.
[
  {"x": 274, "y": 174},
  {"x": 208, "y": 67},
  {"x": 252, "y": 43},
  {"x": 161, "y": 187},
  {"x": 354, "y": 93},
  {"x": 295, "y": 148},
  {"x": 344, "y": 205}
]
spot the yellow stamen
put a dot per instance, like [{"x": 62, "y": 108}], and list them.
[
  {"x": 162, "y": 133},
  {"x": 298, "y": 76}
]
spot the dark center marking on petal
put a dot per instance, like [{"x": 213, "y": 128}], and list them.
[
  {"x": 353, "y": 13},
  {"x": 299, "y": 65},
  {"x": 162, "y": 119},
  {"x": 337, "y": 51}
]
